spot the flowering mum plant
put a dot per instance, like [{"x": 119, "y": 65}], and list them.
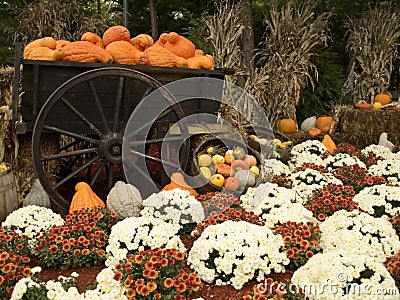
[
  {"x": 12, "y": 269},
  {"x": 358, "y": 232},
  {"x": 348, "y": 149},
  {"x": 310, "y": 151},
  {"x": 344, "y": 275},
  {"x": 305, "y": 158},
  {"x": 156, "y": 274},
  {"x": 321, "y": 169},
  {"x": 227, "y": 254},
  {"x": 395, "y": 221},
  {"x": 379, "y": 151},
  {"x": 301, "y": 241},
  {"x": 392, "y": 264},
  {"x": 176, "y": 206},
  {"x": 216, "y": 202},
  {"x": 32, "y": 221},
  {"x": 379, "y": 200},
  {"x": 10, "y": 241},
  {"x": 357, "y": 177},
  {"x": 275, "y": 167},
  {"x": 389, "y": 168},
  {"x": 305, "y": 182},
  {"x": 232, "y": 213},
  {"x": 282, "y": 181},
  {"x": 80, "y": 242},
  {"x": 139, "y": 233},
  {"x": 326, "y": 201},
  {"x": 342, "y": 159}
]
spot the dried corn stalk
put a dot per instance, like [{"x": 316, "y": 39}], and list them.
[
  {"x": 372, "y": 44},
  {"x": 285, "y": 60}
]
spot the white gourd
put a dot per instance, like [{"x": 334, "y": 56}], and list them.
[
  {"x": 125, "y": 200},
  {"x": 308, "y": 123},
  {"x": 37, "y": 196}
]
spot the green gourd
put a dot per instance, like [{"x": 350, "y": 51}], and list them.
[{"x": 37, "y": 196}]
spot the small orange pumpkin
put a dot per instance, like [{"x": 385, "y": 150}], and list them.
[
  {"x": 180, "y": 45},
  {"x": 116, "y": 33},
  {"x": 383, "y": 99},
  {"x": 250, "y": 159},
  {"x": 314, "y": 131},
  {"x": 324, "y": 123},
  {"x": 142, "y": 41},
  {"x": 329, "y": 143},
  {"x": 363, "y": 105},
  {"x": 232, "y": 183},
  {"x": 159, "y": 56},
  {"x": 179, "y": 182},
  {"x": 287, "y": 126},
  {"x": 124, "y": 52},
  {"x": 201, "y": 62},
  {"x": 224, "y": 169},
  {"x": 84, "y": 198}
]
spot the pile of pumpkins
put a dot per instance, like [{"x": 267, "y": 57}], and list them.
[
  {"x": 116, "y": 45},
  {"x": 381, "y": 101},
  {"x": 231, "y": 169},
  {"x": 314, "y": 126}
]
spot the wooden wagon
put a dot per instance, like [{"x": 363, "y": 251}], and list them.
[{"x": 89, "y": 106}]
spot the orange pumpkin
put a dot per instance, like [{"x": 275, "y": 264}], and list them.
[
  {"x": 159, "y": 56},
  {"x": 180, "y": 45},
  {"x": 241, "y": 164},
  {"x": 383, "y": 99},
  {"x": 363, "y": 105},
  {"x": 324, "y": 123},
  {"x": 142, "y": 41},
  {"x": 84, "y": 198},
  {"x": 232, "y": 183},
  {"x": 229, "y": 157},
  {"x": 179, "y": 182},
  {"x": 124, "y": 52},
  {"x": 61, "y": 43},
  {"x": 224, "y": 169},
  {"x": 93, "y": 38},
  {"x": 314, "y": 131},
  {"x": 250, "y": 159},
  {"x": 201, "y": 62},
  {"x": 287, "y": 126},
  {"x": 116, "y": 33}
]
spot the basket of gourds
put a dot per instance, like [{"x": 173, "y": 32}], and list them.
[{"x": 223, "y": 164}]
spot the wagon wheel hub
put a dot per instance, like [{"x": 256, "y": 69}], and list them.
[{"x": 111, "y": 147}]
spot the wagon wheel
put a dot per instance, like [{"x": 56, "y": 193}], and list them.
[{"x": 91, "y": 110}]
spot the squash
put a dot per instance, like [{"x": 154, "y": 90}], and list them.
[
  {"x": 37, "y": 196},
  {"x": 180, "y": 45},
  {"x": 116, "y": 33},
  {"x": 84, "y": 198},
  {"x": 246, "y": 178},
  {"x": 201, "y": 62},
  {"x": 224, "y": 170},
  {"x": 93, "y": 38},
  {"x": 142, "y": 41},
  {"x": 363, "y": 105},
  {"x": 198, "y": 52},
  {"x": 240, "y": 164},
  {"x": 178, "y": 182},
  {"x": 162, "y": 40},
  {"x": 47, "y": 42},
  {"x": 61, "y": 43},
  {"x": 308, "y": 123},
  {"x": 44, "y": 53},
  {"x": 324, "y": 123},
  {"x": 85, "y": 51},
  {"x": 287, "y": 126},
  {"x": 329, "y": 143},
  {"x": 124, "y": 52},
  {"x": 383, "y": 99},
  {"x": 125, "y": 200},
  {"x": 314, "y": 131},
  {"x": 231, "y": 184},
  {"x": 159, "y": 56}
]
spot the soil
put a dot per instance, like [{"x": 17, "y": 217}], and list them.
[{"x": 87, "y": 275}]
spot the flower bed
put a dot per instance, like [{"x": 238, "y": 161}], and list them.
[{"x": 321, "y": 216}]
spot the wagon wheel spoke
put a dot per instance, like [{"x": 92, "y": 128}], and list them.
[
  {"x": 110, "y": 174},
  {"x": 155, "y": 141},
  {"x": 63, "y": 148},
  {"x": 69, "y": 154},
  {"x": 98, "y": 105},
  {"x": 118, "y": 103},
  {"x": 81, "y": 116},
  {"x": 97, "y": 173},
  {"x": 71, "y": 134},
  {"x": 76, "y": 172},
  {"x": 155, "y": 159}
]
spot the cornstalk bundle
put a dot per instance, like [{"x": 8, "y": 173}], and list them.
[{"x": 372, "y": 44}]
